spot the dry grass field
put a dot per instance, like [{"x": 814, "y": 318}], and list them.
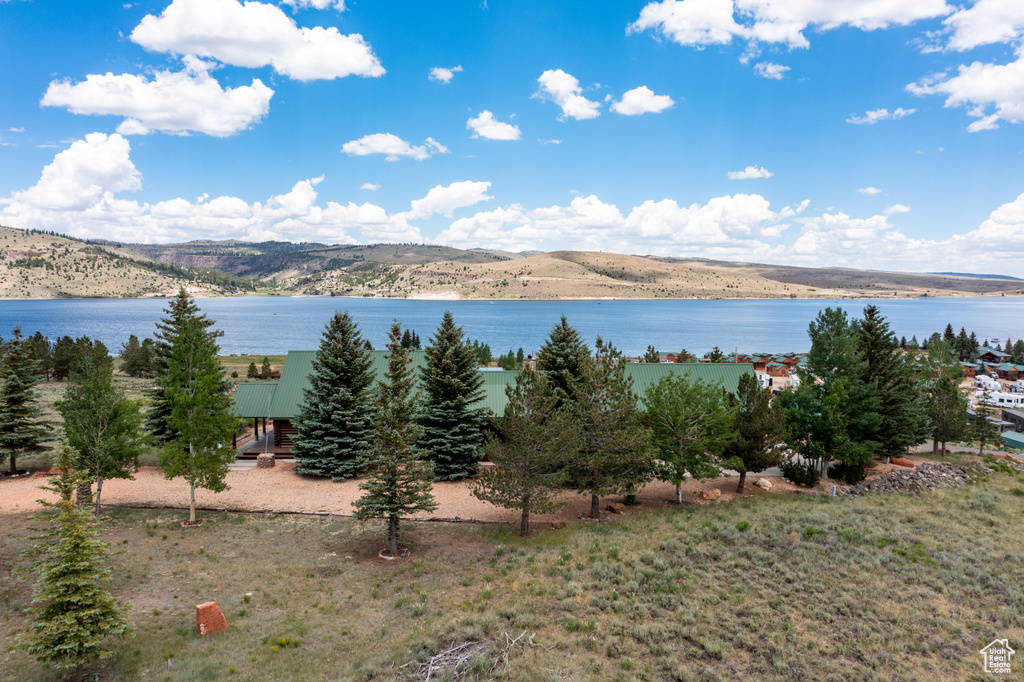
[{"x": 776, "y": 588}]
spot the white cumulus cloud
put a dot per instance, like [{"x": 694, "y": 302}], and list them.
[
  {"x": 717, "y": 22},
  {"x": 641, "y": 100},
  {"x": 564, "y": 90},
  {"x": 486, "y": 126},
  {"x": 445, "y": 199},
  {"x": 750, "y": 173},
  {"x": 897, "y": 208},
  {"x": 870, "y": 191},
  {"x": 172, "y": 101},
  {"x": 770, "y": 70},
  {"x": 985, "y": 22},
  {"x": 369, "y": 186},
  {"x": 981, "y": 87},
  {"x": 443, "y": 75},
  {"x": 83, "y": 174},
  {"x": 315, "y": 4},
  {"x": 393, "y": 147},
  {"x": 872, "y": 117},
  {"x": 255, "y": 34}
]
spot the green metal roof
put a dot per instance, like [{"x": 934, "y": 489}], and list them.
[
  {"x": 251, "y": 399},
  {"x": 288, "y": 392},
  {"x": 1013, "y": 439},
  {"x": 645, "y": 374},
  {"x": 299, "y": 365},
  {"x": 495, "y": 382}
]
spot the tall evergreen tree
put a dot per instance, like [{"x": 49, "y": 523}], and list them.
[
  {"x": 691, "y": 424},
  {"x": 651, "y": 355},
  {"x": 948, "y": 335},
  {"x": 42, "y": 352},
  {"x": 102, "y": 426},
  {"x": 265, "y": 369},
  {"x": 760, "y": 429},
  {"x": 181, "y": 309},
  {"x": 334, "y": 418},
  {"x": 134, "y": 360},
  {"x": 399, "y": 480},
  {"x": 561, "y": 357},
  {"x": 900, "y": 408},
  {"x": 200, "y": 422},
  {"x": 252, "y": 372},
  {"x": 531, "y": 445},
  {"x": 983, "y": 430},
  {"x": 947, "y": 409},
  {"x": 615, "y": 449},
  {"x": 833, "y": 414},
  {"x": 23, "y": 431},
  {"x": 63, "y": 357},
  {"x": 451, "y": 427},
  {"x": 74, "y": 620}
]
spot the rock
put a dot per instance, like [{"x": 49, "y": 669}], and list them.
[
  {"x": 710, "y": 494},
  {"x": 763, "y": 484},
  {"x": 265, "y": 461},
  {"x": 209, "y": 619},
  {"x": 558, "y": 525},
  {"x": 616, "y": 508},
  {"x": 902, "y": 462}
]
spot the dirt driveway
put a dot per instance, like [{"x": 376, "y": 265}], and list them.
[{"x": 282, "y": 490}]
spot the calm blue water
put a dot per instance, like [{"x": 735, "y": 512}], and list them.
[{"x": 274, "y": 325}]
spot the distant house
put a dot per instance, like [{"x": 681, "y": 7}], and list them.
[
  {"x": 277, "y": 403},
  {"x": 992, "y": 356}
]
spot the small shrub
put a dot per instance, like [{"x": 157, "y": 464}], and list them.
[
  {"x": 847, "y": 473},
  {"x": 742, "y": 526},
  {"x": 800, "y": 474},
  {"x": 1017, "y": 491}
]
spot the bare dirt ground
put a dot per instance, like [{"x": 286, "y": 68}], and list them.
[{"x": 282, "y": 490}]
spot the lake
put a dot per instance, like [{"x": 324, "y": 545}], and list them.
[{"x": 274, "y": 325}]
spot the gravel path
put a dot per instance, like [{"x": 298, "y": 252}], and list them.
[{"x": 282, "y": 490}]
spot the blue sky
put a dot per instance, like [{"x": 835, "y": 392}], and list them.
[{"x": 864, "y": 133}]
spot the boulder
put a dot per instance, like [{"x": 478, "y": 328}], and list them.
[
  {"x": 710, "y": 494},
  {"x": 209, "y": 619},
  {"x": 558, "y": 525},
  {"x": 265, "y": 461},
  {"x": 616, "y": 508},
  {"x": 902, "y": 462},
  {"x": 763, "y": 484}
]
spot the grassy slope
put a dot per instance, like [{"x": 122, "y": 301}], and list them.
[{"x": 895, "y": 587}]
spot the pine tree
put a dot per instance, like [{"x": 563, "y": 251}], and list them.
[
  {"x": 984, "y": 431},
  {"x": 74, "y": 619},
  {"x": 265, "y": 369},
  {"x": 42, "y": 352},
  {"x": 715, "y": 355},
  {"x": 691, "y": 423},
  {"x": 529, "y": 449},
  {"x": 200, "y": 424},
  {"x": 133, "y": 360},
  {"x": 23, "y": 431},
  {"x": 451, "y": 427},
  {"x": 948, "y": 336},
  {"x": 898, "y": 393},
  {"x": 334, "y": 418},
  {"x": 101, "y": 425},
  {"x": 615, "y": 449},
  {"x": 399, "y": 482},
  {"x": 252, "y": 372},
  {"x": 651, "y": 355},
  {"x": 63, "y": 357},
  {"x": 181, "y": 309},
  {"x": 760, "y": 429},
  {"x": 947, "y": 408},
  {"x": 562, "y": 357}
]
